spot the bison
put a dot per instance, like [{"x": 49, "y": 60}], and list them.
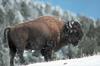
[{"x": 45, "y": 34}]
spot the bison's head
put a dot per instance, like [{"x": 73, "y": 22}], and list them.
[{"x": 72, "y": 32}]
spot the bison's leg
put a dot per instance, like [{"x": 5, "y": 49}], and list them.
[
  {"x": 46, "y": 51},
  {"x": 12, "y": 52},
  {"x": 20, "y": 54},
  {"x": 47, "y": 54},
  {"x": 12, "y": 55}
]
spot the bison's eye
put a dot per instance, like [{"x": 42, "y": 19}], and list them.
[{"x": 66, "y": 30}]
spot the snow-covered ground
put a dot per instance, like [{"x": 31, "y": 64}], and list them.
[{"x": 86, "y": 61}]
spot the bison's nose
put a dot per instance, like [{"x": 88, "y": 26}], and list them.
[{"x": 75, "y": 43}]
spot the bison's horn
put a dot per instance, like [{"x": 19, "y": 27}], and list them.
[{"x": 69, "y": 24}]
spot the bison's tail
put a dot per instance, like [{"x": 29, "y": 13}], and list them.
[{"x": 5, "y": 34}]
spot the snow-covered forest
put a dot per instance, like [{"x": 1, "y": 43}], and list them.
[{"x": 13, "y": 12}]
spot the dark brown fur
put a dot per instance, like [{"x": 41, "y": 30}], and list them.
[{"x": 38, "y": 35}]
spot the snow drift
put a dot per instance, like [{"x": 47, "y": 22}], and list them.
[{"x": 86, "y": 61}]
